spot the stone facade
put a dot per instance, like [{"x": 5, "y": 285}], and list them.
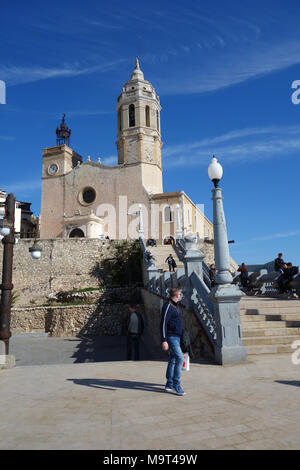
[{"x": 92, "y": 200}]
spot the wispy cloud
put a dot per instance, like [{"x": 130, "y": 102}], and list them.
[
  {"x": 274, "y": 236},
  {"x": 16, "y": 75},
  {"x": 241, "y": 145},
  {"x": 270, "y": 237},
  {"x": 111, "y": 160},
  {"x": 8, "y": 138},
  {"x": 24, "y": 186},
  {"x": 228, "y": 68},
  {"x": 104, "y": 25}
]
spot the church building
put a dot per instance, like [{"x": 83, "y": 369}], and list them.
[{"x": 93, "y": 200}]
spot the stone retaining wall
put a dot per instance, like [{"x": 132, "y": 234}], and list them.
[
  {"x": 65, "y": 264},
  {"x": 77, "y": 320}
]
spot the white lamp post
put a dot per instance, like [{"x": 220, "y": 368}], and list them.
[
  {"x": 222, "y": 260},
  {"x": 140, "y": 214},
  {"x": 225, "y": 296}
]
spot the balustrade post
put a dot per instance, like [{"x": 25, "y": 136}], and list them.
[{"x": 192, "y": 260}]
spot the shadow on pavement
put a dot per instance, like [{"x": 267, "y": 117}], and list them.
[
  {"x": 113, "y": 384},
  {"x": 110, "y": 348},
  {"x": 295, "y": 383}
]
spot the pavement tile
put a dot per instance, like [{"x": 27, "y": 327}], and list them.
[
  {"x": 230, "y": 430},
  {"x": 237, "y": 407}
]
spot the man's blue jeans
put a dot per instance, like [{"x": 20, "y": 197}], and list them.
[{"x": 176, "y": 360}]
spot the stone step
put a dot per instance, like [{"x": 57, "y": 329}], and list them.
[
  {"x": 254, "y": 318},
  {"x": 269, "y": 310},
  {"x": 291, "y": 317},
  {"x": 270, "y": 349},
  {"x": 267, "y": 331},
  {"x": 254, "y": 304},
  {"x": 264, "y": 340},
  {"x": 252, "y": 325}
]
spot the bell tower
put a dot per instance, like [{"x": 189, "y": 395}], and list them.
[{"x": 139, "y": 136}]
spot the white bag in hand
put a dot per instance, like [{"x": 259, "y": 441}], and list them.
[{"x": 186, "y": 364}]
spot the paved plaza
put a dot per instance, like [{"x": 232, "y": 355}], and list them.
[{"x": 122, "y": 405}]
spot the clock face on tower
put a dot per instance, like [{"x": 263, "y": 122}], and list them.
[{"x": 52, "y": 169}]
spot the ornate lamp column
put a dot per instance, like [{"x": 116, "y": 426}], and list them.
[
  {"x": 7, "y": 230},
  {"x": 225, "y": 296},
  {"x": 7, "y": 286},
  {"x": 8, "y": 241}
]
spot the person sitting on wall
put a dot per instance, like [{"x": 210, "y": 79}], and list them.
[
  {"x": 279, "y": 263},
  {"x": 151, "y": 242},
  {"x": 286, "y": 277},
  {"x": 244, "y": 275},
  {"x": 149, "y": 256}
]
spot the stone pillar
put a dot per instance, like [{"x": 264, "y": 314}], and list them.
[
  {"x": 152, "y": 272},
  {"x": 192, "y": 263},
  {"x": 225, "y": 296}
]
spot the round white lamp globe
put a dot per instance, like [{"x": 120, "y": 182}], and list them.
[{"x": 215, "y": 170}]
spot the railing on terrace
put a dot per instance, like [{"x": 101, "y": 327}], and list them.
[{"x": 266, "y": 283}]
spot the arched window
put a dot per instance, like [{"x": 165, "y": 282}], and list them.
[
  {"x": 147, "y": 116},
  {"x": 157, "y": 120},
  {"x": 120, "y": 118},
  {"x": 168, "y": 214},
  {"x": 131, "y": 116}
]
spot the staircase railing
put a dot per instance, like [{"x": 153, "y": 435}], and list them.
[{"x": 223, "y": 334}]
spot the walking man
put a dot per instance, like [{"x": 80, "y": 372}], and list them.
[
  {"x": 171, "y": 262},
  {"x": 135, "y": 329},
  {"x": 171, "y": 331}
]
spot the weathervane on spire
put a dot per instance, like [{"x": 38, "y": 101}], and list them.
[{"x": 63, "y": 133}]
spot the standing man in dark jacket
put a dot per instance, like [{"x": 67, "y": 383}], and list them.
[
  {"x": 135, "y": 329},
  {"x": 171, "y": 331}
]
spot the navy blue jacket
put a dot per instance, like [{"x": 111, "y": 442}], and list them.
[{"x": 171, "y": 321}]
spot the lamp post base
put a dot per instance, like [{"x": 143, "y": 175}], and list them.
[
  {"x": 229, "y": 355},
  {"x": 7, "y": 361},
  {"x": 229, "y": 348}
]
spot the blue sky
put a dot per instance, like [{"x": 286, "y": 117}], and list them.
[{"x": 224, "y": 74}]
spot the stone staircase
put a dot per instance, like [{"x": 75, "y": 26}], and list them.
[
  {"x": 269, "y": 325},
  {"x": 160, "y": 253}
]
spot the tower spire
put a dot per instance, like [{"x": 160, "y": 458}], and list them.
[{"x": 137, "y": 73}]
